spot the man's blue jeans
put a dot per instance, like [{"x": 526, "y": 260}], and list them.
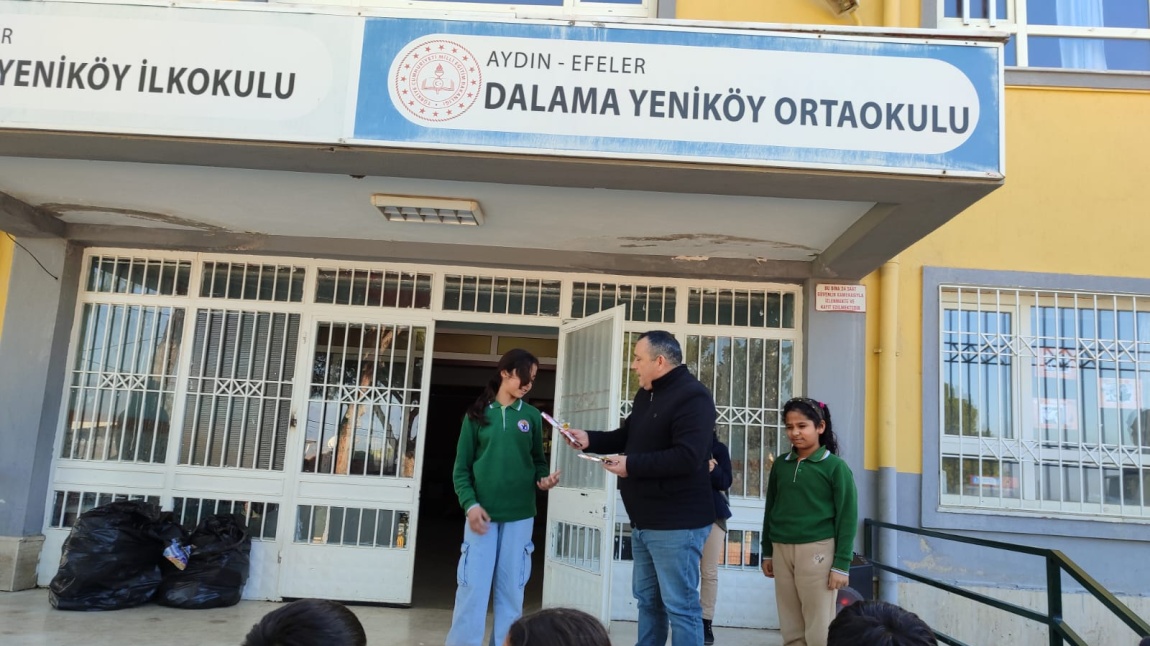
[{"x": 665, "y": 582}]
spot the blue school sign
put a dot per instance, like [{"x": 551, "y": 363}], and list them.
[{"x": 714, "y": 96}]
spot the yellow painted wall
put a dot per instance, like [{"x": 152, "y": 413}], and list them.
[
  {"x": 1076, "y": 201},
  {"x": 7, "y": 248},
  {"x": 808, "y": 12}
]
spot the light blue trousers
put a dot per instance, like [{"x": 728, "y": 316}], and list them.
[{"x": 499, "y": 560}]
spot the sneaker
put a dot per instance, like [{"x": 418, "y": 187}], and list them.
[{"x": 708, "y": 636}]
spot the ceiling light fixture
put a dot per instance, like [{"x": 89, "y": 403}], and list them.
[{"x": 432, "y": 210}]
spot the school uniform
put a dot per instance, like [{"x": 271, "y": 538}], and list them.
[
  {"x": 497, "y": 464},
  {"x": 808, "y": 529}
]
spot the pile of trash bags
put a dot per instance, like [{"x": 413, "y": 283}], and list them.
[{"x": 127, "y": 553}]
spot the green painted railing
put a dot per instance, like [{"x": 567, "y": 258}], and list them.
[{"x": 1056, "y": 564}]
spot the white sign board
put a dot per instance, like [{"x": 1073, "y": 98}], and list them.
[
  {"x": 760, "y": 98},
  {"x": 840, "y": 298},
  {"x": 197, "y": 73}
]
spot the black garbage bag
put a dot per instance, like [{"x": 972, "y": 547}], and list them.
[
  {"x": 217, "y": 568},
  {"x": 111, "y": 559}
]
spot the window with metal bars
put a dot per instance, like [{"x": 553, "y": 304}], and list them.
[
  {"x": 364, "y": 400},
  {"x": 1097, "y": 35},
  {"x": 645, "y": 303},
  {"x": 742, "y": 551},
  {"x": 741, "y": 308},
  {"x": 143, "y": 276},
  {"x": 1045, "y": 401},
  {"x": 123, "y": 382},
  {"x": 351, "y": 526},
  {"x": 750, "y": 379},
  {"x": 373, "y": 288},
  {"x": 496, "y": 295},
  {"x": 261, "y": 517},
  {"x": 239, "y": 389},
  {"x": 577, "y": 546},
  {"x": 68, "y": 505},
  {"x": 241, "y": 281}
]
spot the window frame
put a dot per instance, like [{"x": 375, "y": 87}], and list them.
[
  {"x": 934, "y": 514},
  {"x": 1021, "y": 73}
]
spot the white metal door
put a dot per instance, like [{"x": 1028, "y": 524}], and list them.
[
  {"x": 581, "y": 511},
  {"x": 357, "y": 447}
]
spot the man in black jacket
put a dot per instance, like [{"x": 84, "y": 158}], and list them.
[{"x": 666, "y": 487}]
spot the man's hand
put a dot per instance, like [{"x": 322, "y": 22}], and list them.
[
  {"x": 837, "y": 580},
  {"x": 769, "y": 568},
  {"x": 616, "y": 464},
  {"x": 576, "y": 438},
  {"x": 549, "y": 481},
  {"x": 711, "y": 464},
  {"x": 478, "y": 520}
]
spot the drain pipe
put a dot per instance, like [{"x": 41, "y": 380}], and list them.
[
  {"x": 887, "y": 426},
  {"x": 892, "y": 13}
]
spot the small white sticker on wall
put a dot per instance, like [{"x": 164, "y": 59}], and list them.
[{"x": 840, "y": 298}]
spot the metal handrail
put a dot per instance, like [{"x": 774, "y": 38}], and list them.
[{"x": 1056, "y": 564}]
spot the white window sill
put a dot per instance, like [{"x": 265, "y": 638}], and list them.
[{"x": 1054, "y": 77}]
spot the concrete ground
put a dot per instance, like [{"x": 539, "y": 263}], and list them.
[{"x": 27, "y": 619}]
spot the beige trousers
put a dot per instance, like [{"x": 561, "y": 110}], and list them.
[
  {"x": 709, "y": 570},
  {"x": 806, "y": 606}
]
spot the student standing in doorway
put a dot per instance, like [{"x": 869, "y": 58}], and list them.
[
  {"x": 499, "y": 463},
  {"x": 809, "y": 525}
]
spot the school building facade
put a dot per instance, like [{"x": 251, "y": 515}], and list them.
[{"x": 260, "y": 276}]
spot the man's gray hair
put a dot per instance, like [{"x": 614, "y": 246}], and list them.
[{"x": 664, "y": 343}]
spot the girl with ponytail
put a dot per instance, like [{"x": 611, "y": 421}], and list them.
[
  {"x": 809, "y": 525},
  {"x": 499, "y": 463}
]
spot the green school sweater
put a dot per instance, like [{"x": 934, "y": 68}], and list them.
[
  {"x": 811, "y": 500},
  {"x": 498, "y": 463}
]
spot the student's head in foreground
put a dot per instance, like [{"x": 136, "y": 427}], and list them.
[
  {"x": 557, "y": 627},
  {"x": 308, "y": 622},
  {"x": 877, "y": 623}
]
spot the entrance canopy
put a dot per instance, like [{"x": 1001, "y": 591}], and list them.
[{"x": 674, "y": 149}]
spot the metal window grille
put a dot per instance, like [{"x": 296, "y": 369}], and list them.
[
  {"x": 69, "y": 505},
  {"x": 261, "y": 517},
  {"x": 576, "y": 545},
  {"x": 1045, "y": 401},
  {"x": 351, "y": 526},
  {"x": 373, "y": 288},
  {"x": 742, "y": 551},
  {"x": 240, "y": 281},
  {"x": 240, "y": 389},
  {"x": 123, "y": 381},
  {"x": 750, "y": 379},
  {"x": 114, "y": 275},
  {"x": 364, "y": 398},
  {"x": 741, "y": 308},
  {"x": 651, "y": 304},
  {"x": 622, "y": 545},
  {"x": 495, "y": 295}
]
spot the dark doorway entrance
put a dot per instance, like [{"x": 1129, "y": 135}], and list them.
[{"x": 454, "y": 387}]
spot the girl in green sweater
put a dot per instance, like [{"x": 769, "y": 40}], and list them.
[
  {"x": 499, "y": 463},
  {"x": 809, "y": 526}
]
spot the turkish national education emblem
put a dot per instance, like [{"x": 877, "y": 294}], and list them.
[{"x": 437, "y": 80}]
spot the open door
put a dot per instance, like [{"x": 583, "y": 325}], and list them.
[{"x": 581, "y": 511}]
